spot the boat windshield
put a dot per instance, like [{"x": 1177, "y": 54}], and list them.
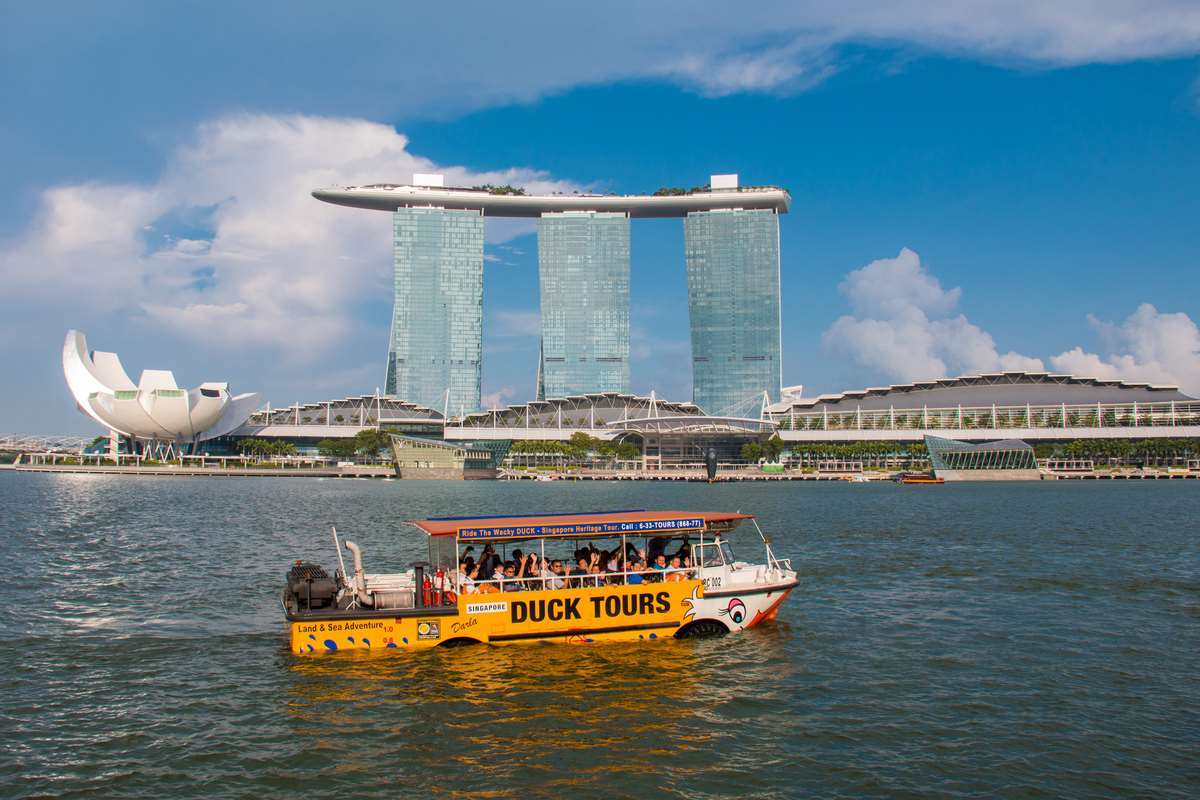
[{"x": 715, "y": 554}]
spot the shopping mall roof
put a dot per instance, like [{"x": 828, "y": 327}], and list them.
[{"x": 999, "y": 388}]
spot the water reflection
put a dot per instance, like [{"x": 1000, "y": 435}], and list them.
[{"x": 561, "y": 716}]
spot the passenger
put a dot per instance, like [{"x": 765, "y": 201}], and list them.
[
  {"x": 526, "y": 568},
  {"x": 582, "y": 567},
  {"x": 511, "y": 584},
  {"x": 675, "y": 571},
  {"x": 595, "y": 578},
  {"x": 488, "y": 560},
  {"x": 616, "y": 566},
  {"x": 660, "y": 563},
  {"x": 553, "y": 575},
  {"x": 635, "y": 573},
  {"x": 685, "y": 547},
  {"x": 466, "y": 577}
]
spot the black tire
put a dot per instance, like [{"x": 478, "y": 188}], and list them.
[
  {"x": 702, "y": 627},
  {"x": 460, "y": 641}
]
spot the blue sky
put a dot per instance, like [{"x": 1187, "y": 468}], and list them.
[{"x": 975, "y": 187}]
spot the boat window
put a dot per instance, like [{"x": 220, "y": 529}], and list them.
[
  {"x": 726, "y": 551},
  {"x": 441, "y": 553},
  {"x": 710, "y": 555}
]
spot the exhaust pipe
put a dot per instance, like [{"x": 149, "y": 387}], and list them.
[{"x": 360, "y": 580}]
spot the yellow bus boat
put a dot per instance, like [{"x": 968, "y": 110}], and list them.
[{"x": 542, "y": 578}]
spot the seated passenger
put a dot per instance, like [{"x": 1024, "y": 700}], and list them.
[
  {"x": 675, "y": 571},
  {"x": 552, "y": 575},
  {"x": 635, "y": 572},
  {"x": 465, "y": 583},
  {"x": 511, "y": 584}
]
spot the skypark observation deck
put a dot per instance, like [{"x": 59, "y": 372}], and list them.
[{"x": 391, "y": 197}]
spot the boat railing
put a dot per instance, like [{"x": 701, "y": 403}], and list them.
[{"x": 589, "y": 581}]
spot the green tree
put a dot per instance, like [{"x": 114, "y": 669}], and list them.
[
  {"x": 371, "y": 442},
  {"x": 341, "y": 449},
  {"x": 752, "y": 452},
  {"x": 773, "y": 448}
]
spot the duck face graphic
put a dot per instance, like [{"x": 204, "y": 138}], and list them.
[{"x": 736, "y": 611}]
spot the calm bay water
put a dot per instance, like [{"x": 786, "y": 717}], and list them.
[{"x": 963, "y": 640}]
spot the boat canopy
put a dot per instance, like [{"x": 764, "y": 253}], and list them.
[{"x": 594, "y": 524}]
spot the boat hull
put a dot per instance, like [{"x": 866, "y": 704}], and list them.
[{"x": 638, "y": 612}]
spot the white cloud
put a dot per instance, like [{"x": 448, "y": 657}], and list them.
[
  {"x": 1148, "y": 346},
  {"x": 902, "y": 329},
  {"x": 795, "y": 66},
  {"x": 497, "y": 399},
  {"x": 280, "y": 269},
  {"x": 510, "y": 322}
]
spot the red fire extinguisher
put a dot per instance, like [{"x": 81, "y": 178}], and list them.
[{"x": 427, "y": 592}]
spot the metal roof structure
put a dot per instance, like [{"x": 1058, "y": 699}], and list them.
[
  {"x": 998, "y": 388},
  {"x": 696, "y": 424}
]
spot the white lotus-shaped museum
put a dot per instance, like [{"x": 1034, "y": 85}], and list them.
[{"x": 156, "y": 408}]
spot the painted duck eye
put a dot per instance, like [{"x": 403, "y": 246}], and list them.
[{"x": 737, "y": 611}]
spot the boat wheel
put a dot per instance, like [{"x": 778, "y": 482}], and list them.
[{"x": 702, "y": 627}]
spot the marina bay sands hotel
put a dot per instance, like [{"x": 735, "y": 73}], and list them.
[{"x": 731, "y": 254}]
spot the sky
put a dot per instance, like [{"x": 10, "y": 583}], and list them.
[{"x": 976, "y": 186}]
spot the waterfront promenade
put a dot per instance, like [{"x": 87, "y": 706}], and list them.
[{"x": 175, "y": 471}]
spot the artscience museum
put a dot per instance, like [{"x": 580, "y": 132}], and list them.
[{"x": 154, "y": 415}]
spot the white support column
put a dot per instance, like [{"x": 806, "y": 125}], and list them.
[
  {"x": 892, "y": 416},
  {"x": 1172, "y": 413},
  {"x": 825, "y": 418},
  {"x": 960, "y": 416},
  {"x": 1099, "y": 416},
  {"x": 1136, "y": 420},
  {"x": 1064, "y": 415},
  {"x": 925, "y": 417}
]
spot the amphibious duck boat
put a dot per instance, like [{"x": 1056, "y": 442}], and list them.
[{"x": 668, "y": 574}]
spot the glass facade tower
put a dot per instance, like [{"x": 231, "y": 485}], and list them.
[
  {"x": 733, "y": 301},
  {"x": 437, "y": 319},
  {"x": 583, "y": 269}
]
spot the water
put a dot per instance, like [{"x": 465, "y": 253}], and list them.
[{"x": 963, "y": 640}]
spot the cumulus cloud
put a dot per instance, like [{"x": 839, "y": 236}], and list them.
[
  {"x": 1147, "y": 346},
  {"x": 254, "y": 260},
  {"x": 902, "y": 329},
  {"x": 511, "y": 322},
  {"x": 497, "y": 399}
]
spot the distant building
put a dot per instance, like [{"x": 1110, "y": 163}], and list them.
[
  {"x": 732, "y": 262},
  {"x": 734, "y": 305},
  {"x": 583, "y": 270},
  {"x": 425, "y": 459},
  {"x": 435, "y": 353},
  {"x": 1006, "y": 460},
  {"x": 998, "y": 405},
  {"x": 154, "y": 415}
]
